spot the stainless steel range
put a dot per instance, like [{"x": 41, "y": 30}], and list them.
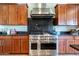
[{"x": 42, "y": 45}]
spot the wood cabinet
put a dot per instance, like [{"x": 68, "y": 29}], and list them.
[
  {"x": 67, "y": 14},
  {"x": 14, "y": 45},
  {"x": 13, "y": 14},
  {"x": 65, "y": 42}
]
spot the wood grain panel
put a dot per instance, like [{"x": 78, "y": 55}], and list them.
[
  {"x": 71, "y": 14},
  {"x": 67, "y": 14},
  {"x": 7, "y": 46},
  {"x": 1, "y": 48},
  {"x": 5, "y": 11},
  {"x": 22, "y": 14},
  {"x": 61, "y": 14},
  {"x": 70, "y": 50},
  {"x": 76, "y": 42},
  {"x": 62, "y": 45},
  {"x": 14, "y": 45},
  {"x": 13, "y": 14},
  {"x": 77, "y": 9},
  {"x": 76, "y": 37},
  {"x": 25, "y": 45},
  {"x": 1, "y": 20},
  {"x": 17, "y": 45}
]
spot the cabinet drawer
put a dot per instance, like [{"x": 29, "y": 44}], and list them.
[
  {"x": 77, "y": 37},
  {"x": 66, "y": 37}
]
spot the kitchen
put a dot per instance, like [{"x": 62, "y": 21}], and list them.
[{"x": 39, "y": 29}]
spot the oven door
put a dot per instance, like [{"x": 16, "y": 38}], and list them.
[
  {"x": 48, "y": 46},
  {"x": 33, "y": 46}
]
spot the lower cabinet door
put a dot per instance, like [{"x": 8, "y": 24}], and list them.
[
  {"x": 6, "y": 46},
  {"x": 16, "y": 46},
  {"x": 70, "y": 50},
  {"x": 62, "y": 46},
  {"x": 24, "y": 46},
  {"x": 1, "y": 47},
  {"x": 76, "y": 42},
  {"x": 12, "y": 46}
]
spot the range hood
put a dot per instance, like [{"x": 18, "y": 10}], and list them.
[{"x": 41, "y": 12}]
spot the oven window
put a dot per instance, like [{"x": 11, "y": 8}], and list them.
[
  {"x": 34, "y": 46},
  {"x": 50, "y": 46}
]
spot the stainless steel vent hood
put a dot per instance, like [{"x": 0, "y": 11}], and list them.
[{"x": 41, "y": 10}]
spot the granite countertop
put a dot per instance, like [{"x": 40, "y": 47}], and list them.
[
  {"x": 68, "y": 34},
  {"x": 13, "y": 35},
  {"x": 17, "y": 34}
]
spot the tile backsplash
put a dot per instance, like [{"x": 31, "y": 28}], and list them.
[
  {"x": 64, "y": 28},
  {"x": 17, "y": 28}
]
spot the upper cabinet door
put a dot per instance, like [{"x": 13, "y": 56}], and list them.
[
  {"x": 77, "y": 10},
  {"x": 61, "y": 14},
  {"x": 1, "y": 15},
  {"x": 22, "y": 14},
  {"x": 12, "y": 14},
  {"x": 67, "y": 14},
  {"x": 71, "y": 14},
  {"x": 5, "y": 13}
]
